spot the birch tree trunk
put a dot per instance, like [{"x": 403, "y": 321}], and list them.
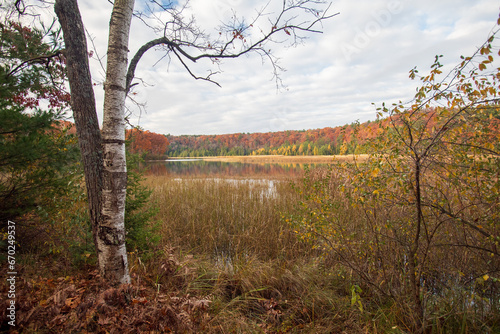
[
  {"x": 112, "y": 253},
  {"x": 103, "y": 158}
]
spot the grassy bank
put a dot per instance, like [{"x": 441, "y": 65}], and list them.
[
  {"x": 229, "y": 261},
  {"x": 226, "y": 262},
  {"x": 258, "y": 275},
  {"x": 264, "y": 274}
]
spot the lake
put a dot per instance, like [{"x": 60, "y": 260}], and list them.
[{"x": 181, "y": 168}]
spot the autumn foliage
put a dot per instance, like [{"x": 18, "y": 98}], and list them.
[
  {"x": 32, "y": 70},
  {"x": 324, "y": 141},
  {"x": 149, "y": 144}
]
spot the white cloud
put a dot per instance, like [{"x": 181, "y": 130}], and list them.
[{"x": 363, "y": 56}]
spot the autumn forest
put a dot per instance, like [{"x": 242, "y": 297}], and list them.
[
  {"x": 387, "y": 226},
  {"x": 327, "y": 141},
  {"x": 348, "y": 139}
]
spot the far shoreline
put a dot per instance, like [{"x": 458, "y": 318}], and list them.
[{"x": 302, "y": 159}]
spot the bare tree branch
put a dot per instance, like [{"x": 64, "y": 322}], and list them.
[{"x": 188, "y": 42}]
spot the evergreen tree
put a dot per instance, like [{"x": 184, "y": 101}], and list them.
[{"x": 35, "y": 151}]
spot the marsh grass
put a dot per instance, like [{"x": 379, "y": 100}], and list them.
[
  {"x": 227, "y": 219},
  {"x": 226, "y": 240}
]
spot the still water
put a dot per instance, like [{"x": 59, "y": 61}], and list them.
[{"x": 180, "y": 168}]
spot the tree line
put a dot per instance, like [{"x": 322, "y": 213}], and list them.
[
  {"x": 325, "y": 141},
  {"x": 348, "y": 139}
]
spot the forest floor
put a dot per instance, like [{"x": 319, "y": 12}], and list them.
[
  {"x": 82, "y": 302},
  {"x": 174, "y": 296}
]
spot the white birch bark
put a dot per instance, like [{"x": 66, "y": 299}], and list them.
[{"x": 111, "y": 236}]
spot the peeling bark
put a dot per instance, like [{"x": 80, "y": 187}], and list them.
[{"x": 111, "y": 235}]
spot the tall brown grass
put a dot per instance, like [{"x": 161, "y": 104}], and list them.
[
  {"x": 229, "y": 241},
  {"x": 232, "y": 245},
  {"x": 226, "y": 217}
]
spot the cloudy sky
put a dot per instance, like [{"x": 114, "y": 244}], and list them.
[{"x": 362, "y": 57}]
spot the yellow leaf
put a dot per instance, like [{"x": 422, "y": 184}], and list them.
[{"x": 486, "y": 277}]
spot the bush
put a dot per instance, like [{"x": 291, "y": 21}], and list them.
[
  {"x": 142, "y": 233},
  {"x": 417, "y": 222}
]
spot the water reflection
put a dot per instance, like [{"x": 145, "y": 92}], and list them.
[{"x": 195, "y": 168}]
